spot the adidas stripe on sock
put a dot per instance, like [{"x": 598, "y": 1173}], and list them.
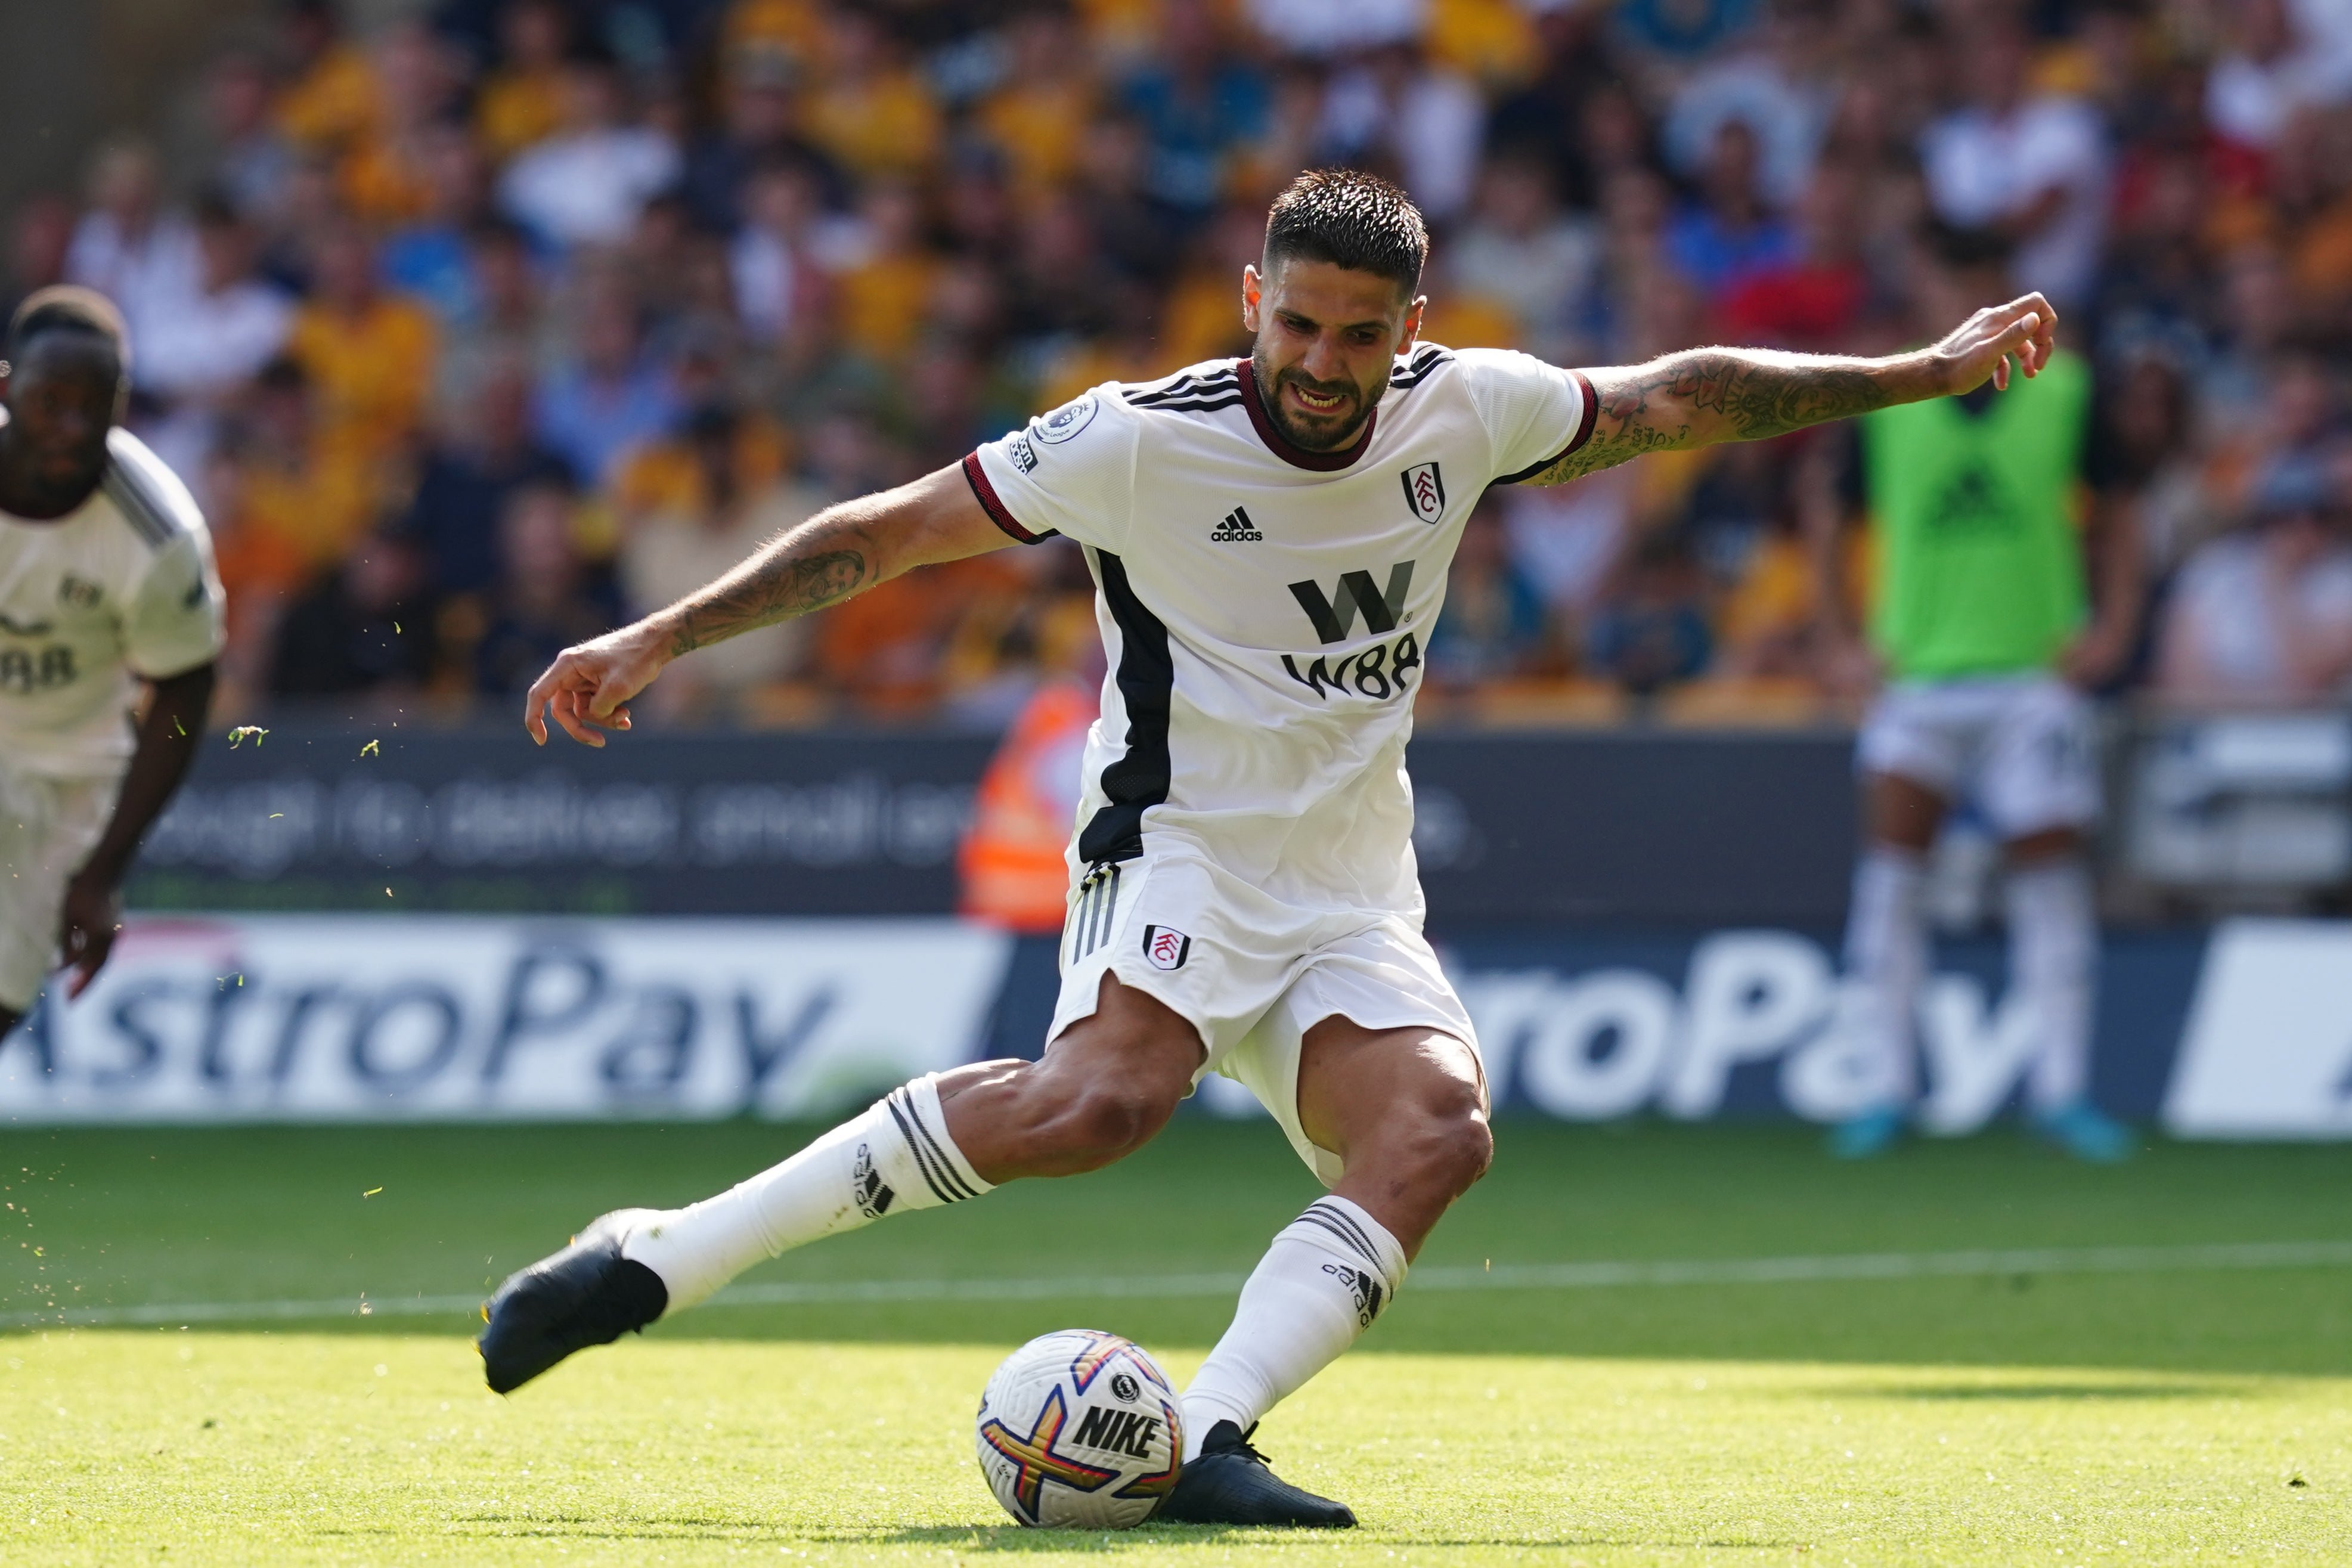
[
  {"x": 895, "y": 1156},
  {"x": 1321, "y": 1283}
]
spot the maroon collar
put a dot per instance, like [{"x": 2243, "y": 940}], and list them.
[{"x": 1282, "y": 446}]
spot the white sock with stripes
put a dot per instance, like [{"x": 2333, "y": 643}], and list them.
[
  {"x": 896, "y": 1156},
  {"x": 1322, "y": 1282}
]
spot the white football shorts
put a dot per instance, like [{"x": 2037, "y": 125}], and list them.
[
  {"x": 48, "y": 828},
  {"x": 2020, "y": 748},
  {"x": 1252, "y": 974}
]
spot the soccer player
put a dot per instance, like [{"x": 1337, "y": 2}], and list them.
[
  {"x": 106, "y": 581},
  {"x": 1983, "y": 626},
  {"x": 1269, "y": 539}
]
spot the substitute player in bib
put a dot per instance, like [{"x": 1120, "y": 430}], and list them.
[
  {"x": 105, "y": 582},
  {"x": 1982, "y": 628},
  {"x": 1269, "y": 539}
]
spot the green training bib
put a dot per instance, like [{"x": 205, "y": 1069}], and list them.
[{"x": 1979, "y": 564}]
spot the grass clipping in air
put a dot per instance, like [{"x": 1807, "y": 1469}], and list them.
[{"x": 235, "y": 1448}]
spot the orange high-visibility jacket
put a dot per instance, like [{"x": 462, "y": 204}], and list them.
[{"x": 1024, "y": 810}]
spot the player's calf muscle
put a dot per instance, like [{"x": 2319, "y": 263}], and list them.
[{"x": 1105, "y": 1087}]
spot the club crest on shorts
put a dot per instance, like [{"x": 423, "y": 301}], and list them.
[
  {"x": 1424, "y": 492},
  {"x": 1166, "y": 948}
]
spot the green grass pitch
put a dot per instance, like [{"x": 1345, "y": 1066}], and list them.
[{"x": 2171, "y": 1406}]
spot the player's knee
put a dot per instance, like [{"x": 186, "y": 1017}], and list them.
[
  {"x": 1108, "y": 1121},
  {"x": 1464, "y": 1147}
]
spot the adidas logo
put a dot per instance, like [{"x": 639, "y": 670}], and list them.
[
  {"x": 1360, "y": 1285},
  {"x": 1235, "y": 528}
]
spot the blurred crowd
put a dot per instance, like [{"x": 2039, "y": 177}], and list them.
[{"x": 477, "y": 331}]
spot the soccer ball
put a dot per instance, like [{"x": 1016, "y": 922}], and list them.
[{"x": 1079, "y": 1430}]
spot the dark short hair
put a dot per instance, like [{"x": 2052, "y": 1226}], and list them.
[
  {"x": 1965, "y": 250},
  {"x": 63, "y": 308},
  {"x": 1349, "y": 219}
]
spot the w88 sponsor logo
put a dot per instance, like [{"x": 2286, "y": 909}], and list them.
[{"x": 1379, "y": 672}]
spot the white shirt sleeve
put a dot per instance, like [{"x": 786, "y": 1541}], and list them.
[
  {"x": 1535, "y": 413},
  {"x": 1071, "y": 472},
  {"x": 172, "y": 622}
]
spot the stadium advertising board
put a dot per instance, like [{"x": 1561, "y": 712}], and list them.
[
  {"x": 865, "y": 823},
  {"x": 449, "y": 1017},
  {"x": 358, "y": 1017},
  {"x": 2267, "y": 1051}
]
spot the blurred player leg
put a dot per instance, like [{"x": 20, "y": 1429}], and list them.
[
  {"x": 1886, "y": 954},
  {"x": 46, "y": 830},
  {"x": 2041, "y": 784}
]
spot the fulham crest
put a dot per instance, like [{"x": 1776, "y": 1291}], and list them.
[
  {"x": 1165, "y": 948},
  {"x": 1425, "y": 492}
]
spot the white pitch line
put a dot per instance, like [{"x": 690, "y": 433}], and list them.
[{"x": 2223, "y": 1258}]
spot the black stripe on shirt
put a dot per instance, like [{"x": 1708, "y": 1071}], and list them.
[
  {"x": 1184, "y": 385},
  {"x": 1418, "y": 369},
  {"x": 1137, "y": 780},
  {"x": 1196, "y": 406}
]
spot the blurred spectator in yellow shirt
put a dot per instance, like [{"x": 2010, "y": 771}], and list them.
[
  {"x": 330, "y": 96},
  {"x": 865, "y": 109},
  {"x": 301, "y": 494},
  {"x": 369, "y": 353},
  {"x": 387, "y": 176},
  {"x": 1038, "y": 119},
  {"x": 884, "y": 292},
  {"x": 522, "y": 100}
]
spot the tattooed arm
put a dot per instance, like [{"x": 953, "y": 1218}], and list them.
[
  {"x": 842, "y": 549},
  {"x": 1702, "y": 396}
]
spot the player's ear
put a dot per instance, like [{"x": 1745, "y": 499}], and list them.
[
  {"x": 1251, "y": 284},
  {"x": 1412, "y": 323}
]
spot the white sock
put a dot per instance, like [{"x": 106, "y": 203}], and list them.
[
  {"x": 1885, "y": 960},
  {"x": 896, "y": 1156},
  {"x": 1322, "y": 1282},
  {"x": 2054, "y": 953}
]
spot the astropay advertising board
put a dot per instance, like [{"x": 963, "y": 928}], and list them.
[
  {"x": 361, "y": 1017},
  {"x": 2246, "y": 1034}
]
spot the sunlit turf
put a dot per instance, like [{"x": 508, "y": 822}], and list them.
[
  {"x": 186, "y": 1447},
  {"x": 2057, "y": 1418}
]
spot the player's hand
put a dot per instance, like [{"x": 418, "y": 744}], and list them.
[
  {"x": 87, "y": 927},
  {"x": 588, "y": 686},
  {"x": 1852, "y": 670},
  {"x": 1983, "y": 348},
  {"x": 2096, "y": 658}
]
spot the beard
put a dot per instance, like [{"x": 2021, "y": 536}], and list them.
[{"x": 1323, "y": 433}]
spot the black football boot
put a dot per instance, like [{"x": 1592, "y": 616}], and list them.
[
  {"x": 587, "y": 1294},
  {"x": 1230, "y": 1484}
]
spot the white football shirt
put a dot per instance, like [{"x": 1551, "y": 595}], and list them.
[
  {"x": 1264, "y": 607},
  {"x": 121, "y": 587}
]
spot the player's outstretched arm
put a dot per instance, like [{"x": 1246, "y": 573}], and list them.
[
  {"x": 1702, "y": 396},
  {"x": 842, "y": 549}
]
